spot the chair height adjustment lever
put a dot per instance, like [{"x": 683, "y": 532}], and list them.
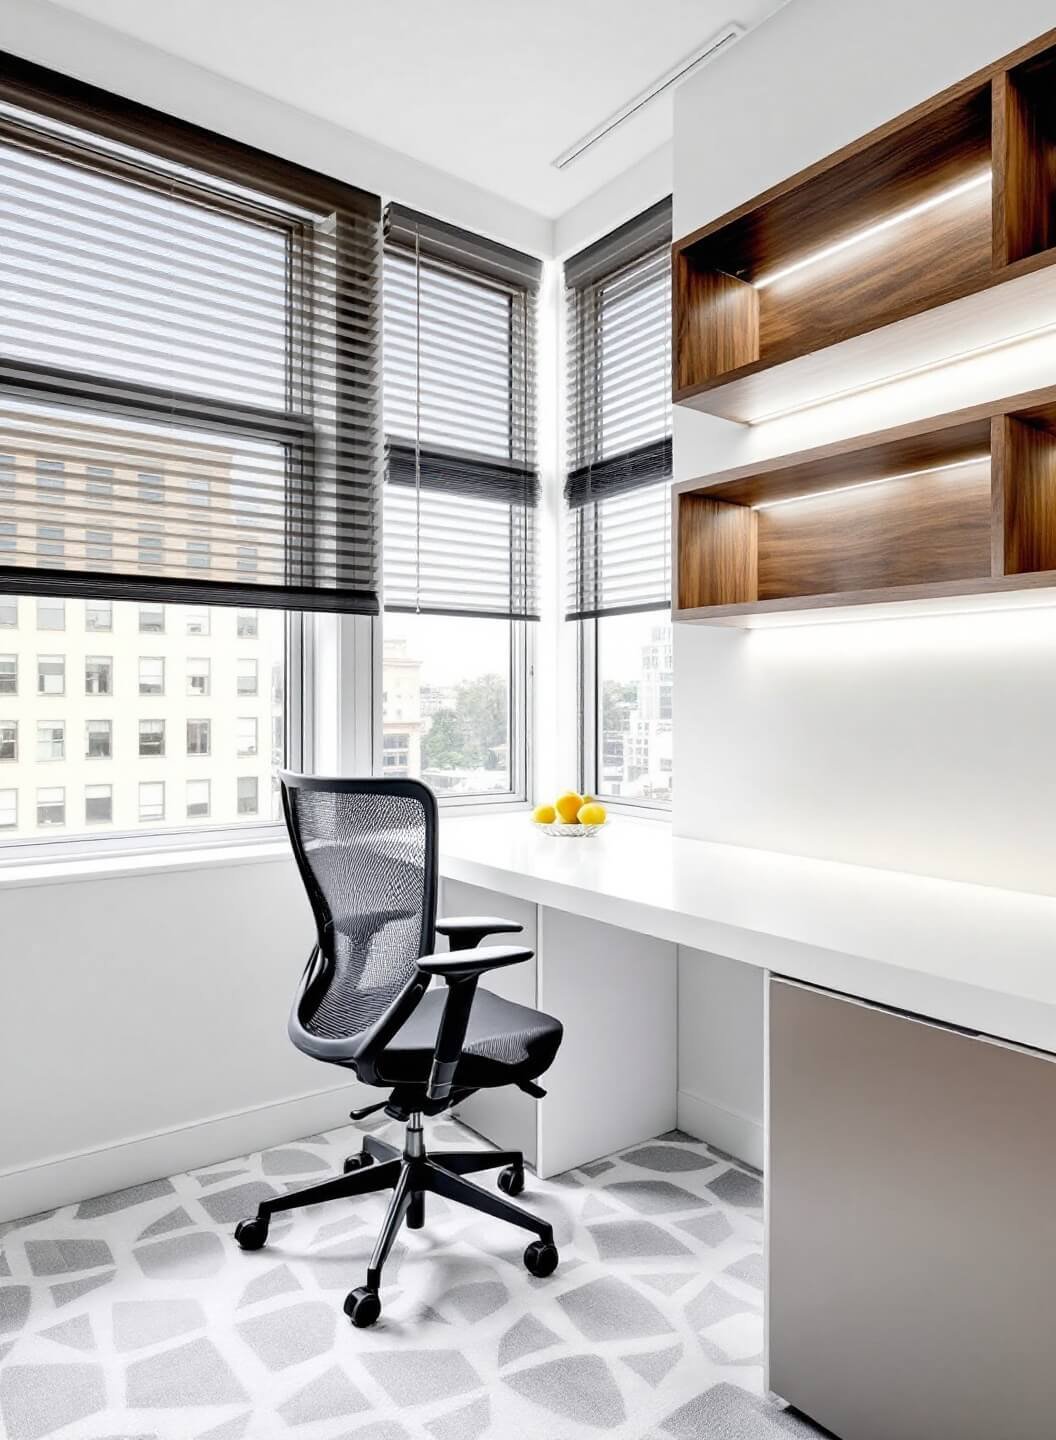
[
  {"x": 535, "y": 1091},
  {"x": 367, "y": 1110}
]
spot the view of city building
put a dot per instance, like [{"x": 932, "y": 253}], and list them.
[
  {"x": 635, "y": 674},
  {"x": 118, "y": 716}
]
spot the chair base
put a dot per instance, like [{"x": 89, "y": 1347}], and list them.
[{"x": 411, "y": 1175}]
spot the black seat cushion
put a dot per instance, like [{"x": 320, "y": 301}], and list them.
[{"x": 505, "y": 1043}]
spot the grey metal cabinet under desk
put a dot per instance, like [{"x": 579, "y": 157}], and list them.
[{"x": 911, "y": 1263}]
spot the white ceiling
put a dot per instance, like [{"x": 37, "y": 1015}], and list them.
[{"x": 488, "y": 90}]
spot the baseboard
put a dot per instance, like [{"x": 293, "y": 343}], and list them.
[
  {"x": 738, "y": 1135},
  {"x": 71, "y": 1178}
]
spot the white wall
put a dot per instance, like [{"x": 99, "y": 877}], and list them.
[
  {"x": 143, "y": 1028},
  {"x": 921, "y": 744}
]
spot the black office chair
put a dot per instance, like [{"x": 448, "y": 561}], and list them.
[{"x": 367, "y": 852}]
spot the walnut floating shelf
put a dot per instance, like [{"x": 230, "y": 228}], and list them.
[
  {"x": 882, "y": 257},
  {"x": 963, "y": 504}
]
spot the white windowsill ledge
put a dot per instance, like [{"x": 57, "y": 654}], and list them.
[{"x": 16, "y": 874}]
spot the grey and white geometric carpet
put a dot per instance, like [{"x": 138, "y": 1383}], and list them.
[{"x": 135, "y": 1315}]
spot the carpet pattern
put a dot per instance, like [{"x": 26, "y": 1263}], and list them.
[{"x": 135, "y": 1315}]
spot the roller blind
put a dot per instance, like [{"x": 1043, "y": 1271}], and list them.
[
  {"x": 617, "y": 487},
  {"x": 189, "y": 361},
  {"x": 459, "y": 398}
]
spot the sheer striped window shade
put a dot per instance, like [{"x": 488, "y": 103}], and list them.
[
  {"x": 459, "y": 370},
  {"x": 618, "y": 306},
  {"x": 189, "y": 358}
]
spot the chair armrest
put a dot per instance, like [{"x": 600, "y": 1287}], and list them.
[
  {"x": 465, "y": 932},
  {"x": 463, "y": 965},
  {"x": 461, "y": 972}
]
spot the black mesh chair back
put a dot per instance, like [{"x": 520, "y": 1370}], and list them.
[{"x": 367, "y": 854}]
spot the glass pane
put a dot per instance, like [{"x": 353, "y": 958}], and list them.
[
  {"x": 634, "y": 707},
  {"x": 76, "y": 722},
  {"x": 446, "y": 702}
]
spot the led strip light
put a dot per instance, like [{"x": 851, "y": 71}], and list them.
[
  {"x": 901, "y": 218},
  {"x": 868, "y": 484},
  {"x": 992, "y": 347}
]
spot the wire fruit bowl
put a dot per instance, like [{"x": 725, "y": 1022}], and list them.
[{"x": 575, "y": 831}]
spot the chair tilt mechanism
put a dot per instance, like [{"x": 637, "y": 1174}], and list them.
[{"x": 367, "y": 852}]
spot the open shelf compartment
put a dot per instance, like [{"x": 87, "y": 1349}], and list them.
[
  {"x": 957, "y": 507},
  {"x": 936, "y": 207}
]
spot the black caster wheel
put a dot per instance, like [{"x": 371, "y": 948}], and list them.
[
  {"x": 540, "y": 1259},
  {"x": 252, "y": 1234},
  {"x": 358, "y": 1162},
  {"x": 511, "y": 1180},
  {"x": 362, "y": 1307}
]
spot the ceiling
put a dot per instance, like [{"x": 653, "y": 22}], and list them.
[{"x": 488, "y": 90}]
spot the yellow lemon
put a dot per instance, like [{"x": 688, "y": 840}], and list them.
[
  {"x": 544, "y": 814},
  {"x": 588, "y": 799},
  {"x": 568, "y": 806},
  {"x": 592, "y": 814}
]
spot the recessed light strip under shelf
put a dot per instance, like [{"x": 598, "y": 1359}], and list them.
[
  {"x": 817, "y": 257},
  {"x": 931, "y": 367},
  {"x": 869, "y": 484}
]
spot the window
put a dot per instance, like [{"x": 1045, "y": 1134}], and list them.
[
  {"x": 7, "y": 477},
  {"x": 198, "y": 676},
  {"x": 247, "y": 735},
  {"x": 99, "y": 484},
  {"x": 99, "y": 546},
  {"x": 151, "y": 800},
  {"x": 151, "y": 550},
  {"x": 151, "y": 675},
  {"x": 51, "y": 614},
  {"x": 51, "y": 543},
  {"x": 618, "y": 495},
  {"x": 8, "y": 613},
  {"x": 51, "y": 739},
  {"x": 98, "y": 615},
  {"x": 151, "y": 489},
  {"x": 197, "y": 799},
  {"x": 152, "y": 619},
  {"x": 51, "y": 806},
  {"x": 99, "y": 675},
  {"x": 8, "y": 739},
  {"x": 151, "y": 738},
  {"x": 8, "y": 674},
  {"x": 98, "y": 739},
  {"x": 246, "y": 624},
  {"x": 8, "y": 809},
  {"x": 51, "y": 481},
  {"x": 198, "y": 737},
  {"x": 197, "y": 620},
  {"x": 238, "y": 407},
  {"x": 246, "y": 677},
  {"x": 248, "y": 786},
  {"x": 459, "y": 418},
  {"x": 98, "y": 804},
  {"x": 51, "y": 675},
  {"x": 8, "y": 536}
]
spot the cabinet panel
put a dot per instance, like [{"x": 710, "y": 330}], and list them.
[{"x": 912, "y": 1227}]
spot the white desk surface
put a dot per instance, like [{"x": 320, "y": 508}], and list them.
[{"x": 970, "y": 955}]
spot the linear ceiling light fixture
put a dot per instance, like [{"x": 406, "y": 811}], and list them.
[
  {"x": 930, "y": 367},
  {"x": 900, "y": 218},
  {"x": 726, "y": 37},
  {"x": 868, "y": 484}
]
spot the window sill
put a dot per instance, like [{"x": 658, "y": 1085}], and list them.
[{"x": 16, "y": 874}]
